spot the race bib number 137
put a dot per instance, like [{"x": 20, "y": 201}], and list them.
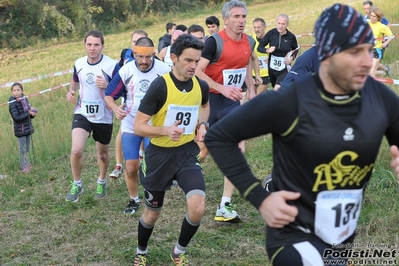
[{"x": 337, "y": 213}]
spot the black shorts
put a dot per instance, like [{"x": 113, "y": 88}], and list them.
[
  {"x": 101, "y": 132},
  {"x": 281, "y": 77},
  {"x": 315, "y": 251},
  {"x": 160, "y": 166},
  {"x": 266, "y": 80},
  {"x": 277, "y": 77},
  {"x": 244, "y": 87},
  {"x": 190, "y": 181},
  {"x": 221, "y": 106}
]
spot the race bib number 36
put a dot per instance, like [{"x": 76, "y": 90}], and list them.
[
  {"x": 188, "y": 115},
  {"x": 277, "y": 63},
  {"x": 93, "y": 108},
  {"x": 337, "y": 213}
]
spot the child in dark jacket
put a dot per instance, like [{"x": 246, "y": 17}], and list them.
[{"x": 22, "y": 113}]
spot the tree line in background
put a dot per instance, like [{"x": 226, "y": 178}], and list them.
[{"x": 26, "y": 22}]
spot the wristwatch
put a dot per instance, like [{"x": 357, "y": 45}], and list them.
[{"x": 204, "y": 123}]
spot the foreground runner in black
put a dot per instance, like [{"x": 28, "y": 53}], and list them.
[{"x": 327, "y": 129}]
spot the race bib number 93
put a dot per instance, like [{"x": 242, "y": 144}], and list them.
[{"x": 188, "y": 115}]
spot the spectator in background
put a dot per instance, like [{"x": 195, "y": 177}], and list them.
[
  {"x": 165, "y": 40},
  {"x": 22, "y": 114},
  {"x": 259, "y": 25},
  {"x": 282, "y": 50},
  {"x": 197, "y": 31},
  {"x": 182, "y": 27},
  {"x": 127, "y": 53},
  {"x": 164, "y": 54},
  {"x": 212, "y": 23},
  {"x": 379, "y": 31},
  {"x": 367, "y": 5}
]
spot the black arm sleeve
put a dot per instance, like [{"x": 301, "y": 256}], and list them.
[
  {"x": 205, "y": 91},
  {"x": 154, "y": 98},
  {"x": 263, "y": 43},
  {"x": 164, "y": 41},
  {"x": 391, "y": 101},
  {"x": 271, "y": 112},
  {"x": 210, "y": 49},
  {"x": 123, "y": 52}
]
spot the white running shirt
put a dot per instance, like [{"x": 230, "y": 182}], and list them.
[
  {"x": 91, "y": 102},
  {"x": 167, "y": 58},
  {"x": 136, "y": 85}
]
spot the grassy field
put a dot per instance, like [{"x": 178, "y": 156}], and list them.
[{"x": 37, "y": 226}]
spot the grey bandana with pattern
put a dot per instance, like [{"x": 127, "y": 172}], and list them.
[{"x": 338, "y": 28}]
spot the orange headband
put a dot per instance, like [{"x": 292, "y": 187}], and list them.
[{"x": 143, "y": 50}]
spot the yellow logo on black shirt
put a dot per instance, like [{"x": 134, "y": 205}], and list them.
[{"x": 336, "y": 174}]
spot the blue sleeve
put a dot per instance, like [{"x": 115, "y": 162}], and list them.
[
  {"x": 116, "y": 88},
  {"x": 116, "y": 70},
  {"x": 308, "y": 62},
  {"x": 384, "y": 21},
  {"x": 75, "y": 76}
]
